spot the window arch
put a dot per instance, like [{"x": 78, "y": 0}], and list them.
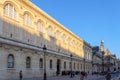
[
  {"x": 68, "y": 40},
  {"x": 51, "y": 62},
  {"x": 10, "y": 61},
  {"x": 50, "y": 31},
  {"x": 28, "y": 62},
  {"x": 64, "y": 65},
  {"x": 63, "y": 38},
  {"x": 10, "y": 11},
  {"x": 27, "y": 19},
  {"x": 73, "y": 43},
  {"x": 40, "y": 26},
  {"x": 57, "y": 35},
  {"x": 74, "y": 66},
  {"x": 41, "y": 63}
]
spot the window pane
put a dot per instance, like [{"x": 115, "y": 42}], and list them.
[
  {"x": 10, "y": 61},
  {"x": 50, "y": 64},
  {"x": 41, "y": 63},
  {"x": 10, "y": 11},
  {"x": 28, "y": 62},
  {"x": 27, "y": 20},
  {"x": 50, "y": 31}
]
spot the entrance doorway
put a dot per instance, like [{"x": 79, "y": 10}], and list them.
[{"x": 58, "y": 67}]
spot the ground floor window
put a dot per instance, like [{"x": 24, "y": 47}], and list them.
[{"x": 10, "y": 61}]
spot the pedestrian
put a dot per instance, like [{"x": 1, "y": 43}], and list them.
[
  {"x": 108, "y": 76},
  {"x": 20, "y": 75},
  {"x": 82, "y": 75}
]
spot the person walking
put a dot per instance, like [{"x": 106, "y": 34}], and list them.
[
  {"x": 82, "y": 75},
  {"x": 108, "y": 76},
  {"x": 20, "y": 75}
]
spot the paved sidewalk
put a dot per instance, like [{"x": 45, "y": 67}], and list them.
[{"x": 77, "y": 77}]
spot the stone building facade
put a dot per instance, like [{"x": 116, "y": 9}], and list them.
[
  {"x": 87, "y": 61},
  {"x": 24, "y": 30}
]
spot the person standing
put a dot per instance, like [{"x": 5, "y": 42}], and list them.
[{"x": 20, "y": 75}]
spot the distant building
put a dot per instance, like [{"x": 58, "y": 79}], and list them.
[{"x": 87, "y": 48}]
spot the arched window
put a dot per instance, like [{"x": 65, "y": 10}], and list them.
[
  {"x": 10, "y": 11},
  {"x": 41, "y": 63},
  {"x": 78, "y": 66},
  {"x": 40, "y": 26},
  {"x": 51, "y": 64},
  {"x": 27, "y": 20},
  {"x": 68, "y": 41},
  {"x": 28, "y": 62},
  {"x": 57, "y": 35},
  {"x": 64, "y": 65},
  {"x": 10, "y": 61},
  {"x": 63, "y": 38},
  {"x": 74, "y": 65},
  {"x": 49, "y": 31},
  {"x": 70, "y": 65},
  {"x": 73, "y": 43}
]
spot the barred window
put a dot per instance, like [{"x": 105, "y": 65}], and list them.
[
  {"x": 27, "y": 20},
  {"x": 41, "y": 63},
  {"x": 10, "y": 61},
  {"x": 28, "y": 62},
  {"x": 9, "y": 10}
]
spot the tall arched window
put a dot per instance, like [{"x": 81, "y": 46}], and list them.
[
  {"x": 68, "y": 41},
  {"x": 73, "y": 43},
  {"x": 10, "y": 11},
  {"x": 49, "y": 31},
  {"x": 10, "y": 61},
  {"x": 70, "y": 65},
  {"x": 57, "y": 35},
  {"x": 51, "y": 64},
  {"x": 74, "y": 66},
  {"x": 28, "y": 62},
  {"x": 41, "y": 63},
  {"x": 64, "y": 65},
  {"x": 27, "y": 20},
  {"x": 40, "y": 26},
  {"x": 63, "y": 38}
]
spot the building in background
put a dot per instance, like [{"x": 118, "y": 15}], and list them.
[{"x": 87, "y": 48}]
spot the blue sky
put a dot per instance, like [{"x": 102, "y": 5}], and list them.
[{"x": 91, "y": 20}]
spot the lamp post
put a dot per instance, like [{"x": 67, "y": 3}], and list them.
[
  {"x": 71, "y": 66},
  {"x": 44, "y": 50}
]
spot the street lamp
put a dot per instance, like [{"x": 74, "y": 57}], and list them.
[
  {"x": 44, "y": 50},
  {"x": 71, "y": 65}
]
